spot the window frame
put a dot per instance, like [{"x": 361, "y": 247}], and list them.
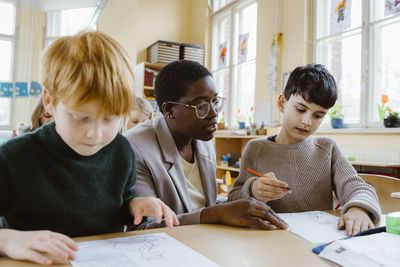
[
  {"x": 368, "y": 61},
  {"x": 13, "y": 38},
  {"x": 231, "y": 10}
]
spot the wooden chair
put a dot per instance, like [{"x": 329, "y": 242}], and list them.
[{"x": 384, "y": 187}]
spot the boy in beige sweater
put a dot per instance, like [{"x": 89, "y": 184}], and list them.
[{"x": 312, "y": 167}]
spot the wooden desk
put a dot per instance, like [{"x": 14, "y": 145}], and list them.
[
  {"x": 394, "y": 166},
  {"x": 229, "y": 246}
]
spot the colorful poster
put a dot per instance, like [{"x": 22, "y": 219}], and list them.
[
  {"x": 242, "y": 53},
  {"x": 222, "y": 55},
  {"x": 392, "y": 7},
  {"x": 6, "y": 89},
  {"x": 340, "y": 15},
  {"x": 21, "y": 89},
  {"x": 36, "y": 89}
]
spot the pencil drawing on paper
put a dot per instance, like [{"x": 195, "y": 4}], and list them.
[
  {"x": 141, "y": 250},
  {"x": 315, "y": 217},
  {"x": 148, "y": 247}
]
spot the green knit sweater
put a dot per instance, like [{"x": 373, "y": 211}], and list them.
[{"x": 46, "y": 185}]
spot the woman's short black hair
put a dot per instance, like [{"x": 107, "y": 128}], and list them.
[
  {"x": 173, "y": 80},
  {"x": 314, "y": 83}
]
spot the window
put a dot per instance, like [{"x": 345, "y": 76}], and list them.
[
  {"x": 356, "y": 40},
  {"x": 234, "y": 55},
  {"x": 7, "y": 43},
  {"x": 68, "y": 22}
]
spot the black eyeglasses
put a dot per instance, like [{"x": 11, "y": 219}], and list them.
[{"x": 203, "y": 109}]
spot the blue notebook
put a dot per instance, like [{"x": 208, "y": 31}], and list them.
[{"x": 318, "y": 249}]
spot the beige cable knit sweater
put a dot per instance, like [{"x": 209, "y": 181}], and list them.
[{"x": 313, "y": 169}]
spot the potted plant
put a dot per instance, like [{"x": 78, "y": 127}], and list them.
[
  {"x": 240, "y": 119},
  {"x": 392, "y": 120},
  {"x": 221, "y": 122},
  {"x": 382, "y": 109},
  {"x": 336, "y": 116},
  {"x": 250, "y": 119}
]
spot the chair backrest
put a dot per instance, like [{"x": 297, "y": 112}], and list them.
[{"x": 384, "y": 187}]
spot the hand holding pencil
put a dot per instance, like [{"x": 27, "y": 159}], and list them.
[{"x": 267, "y": 187}]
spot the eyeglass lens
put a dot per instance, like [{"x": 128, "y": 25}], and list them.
[{"x": 204, "y": 108}]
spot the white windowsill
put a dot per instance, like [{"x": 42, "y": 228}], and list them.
[{"x": 376, "y": 130}]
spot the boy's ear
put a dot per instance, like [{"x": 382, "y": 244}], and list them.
[
  {"x": 281, "y": 103},
  {"x": 47, "y": 102}
]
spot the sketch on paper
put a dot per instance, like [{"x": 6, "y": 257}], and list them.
[
  {"x": 315, "y": 226},
  {"x": 392, "y": 7},
  {"x": 141, "y": 250},
  {"x": 340, "y": 15}
]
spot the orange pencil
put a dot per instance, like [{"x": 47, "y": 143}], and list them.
[{"x": 260, "y": 175}]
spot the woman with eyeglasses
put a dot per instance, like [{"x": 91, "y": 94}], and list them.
[{"x": 175, "y": 156}]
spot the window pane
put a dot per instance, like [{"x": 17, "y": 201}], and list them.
[
  {"x": 53, "y": 23},
  {"x": 342, "y": 57},
  {"x": 387, "y": 67},
  {"x": 7, "y": 18},
  {"x": 74, "y": 20},
  {"x": 222, "y": 43},
  {"x": 383, "y": 8},
  {"x": 324, "y": 12},
  {"x": 70, "y": 21},
  {"x": 246, "y": 38},
  {"x": 218, "y": 4},
  {"x": 5, "y": 62},
  {"x": 5, "y": 108},
  {"x": 243, "y": 95},
  {"x": 221, "y": 79}
]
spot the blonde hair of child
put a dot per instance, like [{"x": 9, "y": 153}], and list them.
[
  {"x": 144, "y": 106},
  {"x": 87, "y": 66},
  {"x": 37, "y": 113}
]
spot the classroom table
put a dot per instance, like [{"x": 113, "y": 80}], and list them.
[
  {"x": 394, "y": 166},
  {"x": 228, "y": 246}
]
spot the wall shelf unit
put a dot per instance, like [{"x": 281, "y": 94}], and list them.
[{"x": 142, "y": 86}]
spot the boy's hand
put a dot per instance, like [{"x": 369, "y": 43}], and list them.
[
  {"x": 355, "y": 220},
  {"x": 32, "y": 245},
  {"x": 269, "y": 188},
  {"x": 151, "y": 206},
  {"x": 247, "y": 212}
]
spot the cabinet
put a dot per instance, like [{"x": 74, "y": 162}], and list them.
[
  {"x": 234, "y": 144},
  {"x": 144, "y": 73}
]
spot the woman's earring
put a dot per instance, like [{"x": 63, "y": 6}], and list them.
[{"x": 169, "y": 115}]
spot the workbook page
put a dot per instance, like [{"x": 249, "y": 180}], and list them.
[
  {"x": 140, "y": 250},
  {"x": 315, "y": 226}
]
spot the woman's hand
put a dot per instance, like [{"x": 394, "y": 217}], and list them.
[
  {"x": 151, "y": 206},
  {"x": 269, "y": 188},
  {"x": 33, "y": 245},
  {"x": 355, "y": 220},
  {"x": 247, "y": 212}
]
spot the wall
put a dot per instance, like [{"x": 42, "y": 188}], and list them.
[
  {"x": 137, "y": 24},
  {"x": 373, "y": 141}
]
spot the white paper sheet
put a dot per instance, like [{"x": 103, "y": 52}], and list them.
[
  {"x": 315, "y": 226},
  {"x": 380, "y": 249},
  {"x": 141, "y": 250}
]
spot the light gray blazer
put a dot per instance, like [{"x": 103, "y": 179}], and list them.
[{"x": 160, "y": 173}]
